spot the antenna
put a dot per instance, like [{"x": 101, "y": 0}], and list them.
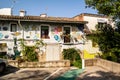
[
  {"x": 13, "y": 3},
  {"x": 46, "y": 9}
]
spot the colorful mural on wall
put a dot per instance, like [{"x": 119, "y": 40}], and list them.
[
  {"x": 36, "y": 36},
  {"x": 6, "y": 36},
  {"x": 55, "y": 32},
  {"x": 16, "y": 33},
  {"x": 57, "y": 38},
  {"x": 1, "y": 35},
  {"x": 77, "y": 35}
]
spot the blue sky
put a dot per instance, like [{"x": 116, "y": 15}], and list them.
[{"x": 57, "y": 8}]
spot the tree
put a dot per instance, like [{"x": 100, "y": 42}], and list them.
[
  {"x": 106, "y": 7},
  {"x": 107, "y": 38},
  {"x": 108, "y": 41},
  {"x": 110, "y": 8}
]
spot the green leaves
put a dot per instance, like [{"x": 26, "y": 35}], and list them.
[
  {"x": 72, "y": 55},
  {"x": 109, "y": 42},
  {"x": 28, "y": 52},
  {"x": 106, "y": 7},
  {"x": 107, "y": 39}
]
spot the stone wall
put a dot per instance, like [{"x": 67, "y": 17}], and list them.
[
  {"x": 109, "y": 65},
  {"x": 43, "y": 64}
]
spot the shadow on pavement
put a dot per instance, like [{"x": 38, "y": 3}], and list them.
[
  {"x": 27, "y": 74},
  {"x": 9, "y": 69},
  {"x": 100, "y": 75},
  {"x": 33, "y": 75}
]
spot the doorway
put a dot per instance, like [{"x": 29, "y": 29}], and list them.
[{"x": 52, "y": 52}]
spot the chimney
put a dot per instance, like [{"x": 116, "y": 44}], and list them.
[
  {"x": 43, "y": 15},
  {"x": 22, "y": 12},
  {"x": 5, "y": 11}
]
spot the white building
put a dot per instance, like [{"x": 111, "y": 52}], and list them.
[
  {"x": 93, "y": 20},
  {"x": 5, "y": 11},
  {"x": 32, "y": 28}
]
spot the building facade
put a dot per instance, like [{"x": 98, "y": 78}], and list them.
[
  {"x": 57, "y": 32},
  {"x": 94, "y": 19}
]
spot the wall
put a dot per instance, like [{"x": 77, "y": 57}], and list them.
[
  {"x": 43, "y": 64},
  {"x": 79, "y": 17},
  {"x": 93, "y": 21},
  {"x": 89, "y": 50},
  {"x": 31, "y": 31},
  {"x": 5, "y": 11},
  {"x": 109, "y": 65}
]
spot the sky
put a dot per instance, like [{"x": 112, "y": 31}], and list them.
[{"x": 56, "y": 8}]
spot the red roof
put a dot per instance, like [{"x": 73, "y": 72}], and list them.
[{"x": 41, "y": 19}]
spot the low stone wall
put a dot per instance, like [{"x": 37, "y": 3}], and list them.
[
  {"x": 90, "y": 62},
  {"x": 44, "y": 64},
  {"x": 109, "y": 65}
]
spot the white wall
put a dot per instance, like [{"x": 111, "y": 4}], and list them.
[
  {"x": 5, "y": 11},
  {"x": 92, "y": 21}
]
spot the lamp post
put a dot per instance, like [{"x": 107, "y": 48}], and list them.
[{"x": 83, "y": 60}]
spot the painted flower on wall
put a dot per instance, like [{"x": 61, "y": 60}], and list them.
[{"x": 6, "y": 36}]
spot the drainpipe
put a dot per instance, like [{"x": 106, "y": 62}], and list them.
[{"x": 22, "y": 29}]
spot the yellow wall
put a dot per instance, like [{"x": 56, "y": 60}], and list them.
[{"x": 88, "y": 55}]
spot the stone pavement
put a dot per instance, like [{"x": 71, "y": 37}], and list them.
[
  {"x": 97, "y": 73},
  {"x": 90, "y": 73},
  {"x": 32, "y": 73}
]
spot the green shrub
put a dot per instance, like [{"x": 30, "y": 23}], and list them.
[
  {"x": 110, "y": 56},
  {"x": 78, "y": 63},
  {"x": 30, "y": 53},
  {"x": 73, "y": 55}
]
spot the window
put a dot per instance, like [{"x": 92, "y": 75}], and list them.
[
  {"x": 101, "y": 25},
  {"x": 13, "y": 27},
  {"x": 44, "y": 32},
  {"x": 66, "y": 34}
]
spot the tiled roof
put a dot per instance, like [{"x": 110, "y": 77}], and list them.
[
  {"x": 93, "y": 15},
  {"x": 41, "y": 19}
]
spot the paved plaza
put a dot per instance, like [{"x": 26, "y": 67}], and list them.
[
  {"x": 97, "y": 73},
  {"x": 13, "y": 73},
  {"x": 90, "y": 73}
]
